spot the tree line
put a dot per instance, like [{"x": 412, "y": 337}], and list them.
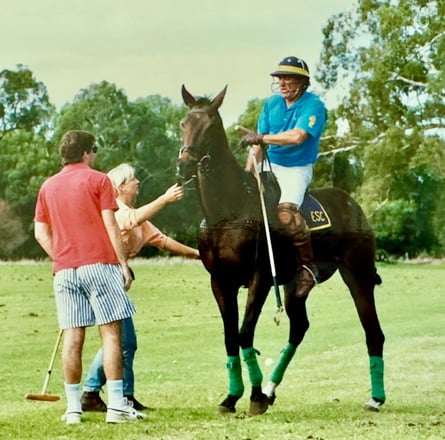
[{"x": 385, "y": 60}]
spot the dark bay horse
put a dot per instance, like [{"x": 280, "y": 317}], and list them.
[{"x": 233, "y": 248}]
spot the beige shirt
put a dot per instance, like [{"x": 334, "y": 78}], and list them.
[{"x": 134, "y": 235}]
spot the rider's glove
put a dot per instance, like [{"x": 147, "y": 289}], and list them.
[{"x": 252, "y": 138}]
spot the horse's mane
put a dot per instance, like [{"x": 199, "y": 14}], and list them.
[
  {"x": 202, "y": 101},
  {"x": 205, "y": 102}
]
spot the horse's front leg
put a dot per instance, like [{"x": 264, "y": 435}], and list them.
[
  {"x": 298, "y": 325},
  {"x": 257, "y": 295},
  {"x": 226, "y": 297}
]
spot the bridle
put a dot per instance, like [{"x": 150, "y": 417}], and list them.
[{"x": 201, "y": 164}]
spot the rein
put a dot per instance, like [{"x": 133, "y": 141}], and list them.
[{"x": 203, "y": 162}]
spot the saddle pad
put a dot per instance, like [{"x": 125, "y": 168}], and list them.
[{"x": 314, "y": 213}]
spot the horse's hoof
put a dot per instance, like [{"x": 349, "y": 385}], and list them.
[
  {"x": 225, "y": 409},
  {"x": 271, "y": 399},
  {"x": 373, "y": 405},
  {"x": 227, "y": 406},
  {"x": 258, "y": 404}
]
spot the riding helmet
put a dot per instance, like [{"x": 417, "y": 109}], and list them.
[{"x": 292, "y": 66}]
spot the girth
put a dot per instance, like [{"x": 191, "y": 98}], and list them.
[{"x": 247, "y": 223}]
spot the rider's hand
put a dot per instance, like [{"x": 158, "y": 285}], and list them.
[{"x": 250, "y": 137}]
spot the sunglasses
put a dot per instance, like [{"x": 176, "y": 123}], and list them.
[{"x": 94, "y": 148}]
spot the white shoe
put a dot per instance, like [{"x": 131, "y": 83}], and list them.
[
  {"x": 125, "y": 414},
  {"x": 71, "y": 417}
]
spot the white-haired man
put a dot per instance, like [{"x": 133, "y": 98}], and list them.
[{"x": 136, "y": 232}]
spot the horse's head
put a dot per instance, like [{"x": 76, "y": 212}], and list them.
[{"x": 202, "y": 129}]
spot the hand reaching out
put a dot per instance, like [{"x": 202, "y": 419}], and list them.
[{"x": 174, "y": 193}]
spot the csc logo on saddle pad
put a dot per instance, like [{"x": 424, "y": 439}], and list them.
[{"x": 314, "y": 213}]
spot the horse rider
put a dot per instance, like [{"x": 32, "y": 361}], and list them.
[{"x": 290, "y": 125}]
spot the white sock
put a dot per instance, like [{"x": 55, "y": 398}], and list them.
[
  {"x": 115, "y": 393},
  {"x": 72, "y": 391},
  {"x": 270, "y": 389}
]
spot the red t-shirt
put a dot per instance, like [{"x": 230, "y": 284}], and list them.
[{"x": 71, "y": 203}]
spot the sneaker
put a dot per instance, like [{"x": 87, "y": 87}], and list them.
[
  {"x": 71, "y": 417},
  {"x": 138, "y": 406},
  {"x": 91, "y": 401},
  {"x": 125, "y": 414}
]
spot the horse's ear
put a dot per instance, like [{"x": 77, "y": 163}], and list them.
[
  {"x": 188, "y": 98},
  {"x": 216, "y": 103}
]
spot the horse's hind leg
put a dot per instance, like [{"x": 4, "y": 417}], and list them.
[{"x": 361, "y": 285}]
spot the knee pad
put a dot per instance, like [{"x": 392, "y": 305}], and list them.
[
  {"x": 292, "y": 220},
  {"x": 287, "y": 213}
]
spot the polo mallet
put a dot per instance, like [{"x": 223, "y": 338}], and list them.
[
  {"x": 43, "y": 395},
  {"x": 279, "y": 311}
]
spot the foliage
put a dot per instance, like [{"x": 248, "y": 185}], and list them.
[
  {"x": 24, "y": 102},
  {"x": 248, "y": 119},
  {"x": 390, "y": 56},
  {"x": 11, "y": 231},
  {"x": 24, "y": 166},
  {"x": 395, "y": 227}
]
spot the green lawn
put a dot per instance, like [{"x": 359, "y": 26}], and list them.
[{"x": 180, "y": 364}]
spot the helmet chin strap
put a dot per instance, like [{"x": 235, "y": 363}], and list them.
[
  {"x": 275, "y": 88},
  {"x": 298, "y": 92},
  {"x": 295, "y": 95}
]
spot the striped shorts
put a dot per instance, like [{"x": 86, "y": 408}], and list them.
[{"x": 89, "y": 295}]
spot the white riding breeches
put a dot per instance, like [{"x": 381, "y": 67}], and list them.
[{"x": 293, "y": 181}]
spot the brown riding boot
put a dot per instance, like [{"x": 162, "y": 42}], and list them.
[
  {"x": 307, "y": 277},
  {"x": 296, "y": 228}
]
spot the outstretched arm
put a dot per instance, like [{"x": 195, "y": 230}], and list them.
[
  {"x": 177, "y": 248},
  {"x": 145, "y": 212},
  {"x": 295, "y": 136}
]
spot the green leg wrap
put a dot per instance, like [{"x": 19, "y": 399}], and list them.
[
  {"x": 376, "y": 369},
  {"x": 255, "y": 375},
  {"x": 286, "y": 356},
  {"x": 236, "y": 386}
]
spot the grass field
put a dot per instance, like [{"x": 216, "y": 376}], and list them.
[{"x": 180, "y": 364}]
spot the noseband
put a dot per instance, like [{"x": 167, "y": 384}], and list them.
[{"x": 202, "y": 163}]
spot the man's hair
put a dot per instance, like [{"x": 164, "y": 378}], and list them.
[
  {"x": 121, "y": 174},
  {"x": 73, "y": 144}
]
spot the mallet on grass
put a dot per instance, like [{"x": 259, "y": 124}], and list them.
[{"x": 43, "y": 395}]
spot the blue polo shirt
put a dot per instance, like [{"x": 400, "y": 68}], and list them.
[{"x": 307, "y": 113}]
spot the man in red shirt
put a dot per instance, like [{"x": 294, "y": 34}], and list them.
[{"x": 76, "y": 226}]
